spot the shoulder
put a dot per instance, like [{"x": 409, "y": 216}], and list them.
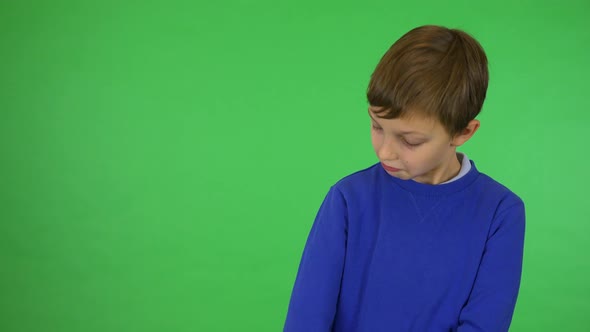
[
  {"x": 359, "y": 180},
  {"x": 492, "y": 189},
  {"x": 360, "y": 189},
  {"x": 506, "y": 209}
]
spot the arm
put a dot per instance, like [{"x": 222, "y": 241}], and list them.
[
  {"x": 315, "y": 294},
  {"x": 492, "y": 300}
]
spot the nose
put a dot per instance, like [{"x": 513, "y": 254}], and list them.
[{"x": 388, "y": 150}]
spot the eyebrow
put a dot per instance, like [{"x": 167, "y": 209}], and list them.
[{"x": 401, "y": 132}]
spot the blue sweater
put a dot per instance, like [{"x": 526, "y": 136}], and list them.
[{"x": 386, "y": 254}]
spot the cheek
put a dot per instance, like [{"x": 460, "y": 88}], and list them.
[
  {"x": 408, "y": 164},
  {"x": 411, "y": 160},
  {"x": 424, "y": 160}
]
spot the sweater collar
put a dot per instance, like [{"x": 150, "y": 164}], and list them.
[{"x": 435, "y": 189}]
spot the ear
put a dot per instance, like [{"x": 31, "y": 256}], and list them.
[{"x": 466, "y": 133}]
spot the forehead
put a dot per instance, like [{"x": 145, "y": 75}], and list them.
[{"x": 416, "y": 124}]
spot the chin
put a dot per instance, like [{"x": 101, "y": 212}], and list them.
[{"x": 400, "y": 175}]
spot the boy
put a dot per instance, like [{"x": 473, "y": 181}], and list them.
[{"x": 421, "y": 241}]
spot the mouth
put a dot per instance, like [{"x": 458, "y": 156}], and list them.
[{"x": 391, "y": 169}]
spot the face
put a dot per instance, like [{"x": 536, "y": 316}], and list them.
[{"x": 415, "y": 148}]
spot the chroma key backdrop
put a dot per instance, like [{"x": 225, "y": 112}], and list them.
[{"x": 162, "y": 161}]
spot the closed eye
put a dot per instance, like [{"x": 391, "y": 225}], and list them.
[
  {"x": 411, "y": 144},
  {"x": 403, "y": 140}
]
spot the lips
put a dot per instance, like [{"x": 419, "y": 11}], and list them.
[{"x": 391, "y": 169}]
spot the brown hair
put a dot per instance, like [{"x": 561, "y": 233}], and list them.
[{"x": 434, "y": 71}]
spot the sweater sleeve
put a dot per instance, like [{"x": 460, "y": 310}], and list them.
[
  {"x": 317, "y": 285},
  {"x": 493, "y": 298}
]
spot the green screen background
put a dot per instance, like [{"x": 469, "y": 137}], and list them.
[{"x": 162, "y": 161}]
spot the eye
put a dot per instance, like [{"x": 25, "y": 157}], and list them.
[
  {"x": 376, "y": 128},
  {"x": 410, "y": 144}
]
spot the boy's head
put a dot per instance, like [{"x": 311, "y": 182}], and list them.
[
  {"x": 433, "y": 72},
  {"x": 424, "y": 96}
]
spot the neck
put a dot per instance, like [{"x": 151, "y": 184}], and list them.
[
  {"x": 446, "y": 172},
  {"x": 454, "y": 167}
]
